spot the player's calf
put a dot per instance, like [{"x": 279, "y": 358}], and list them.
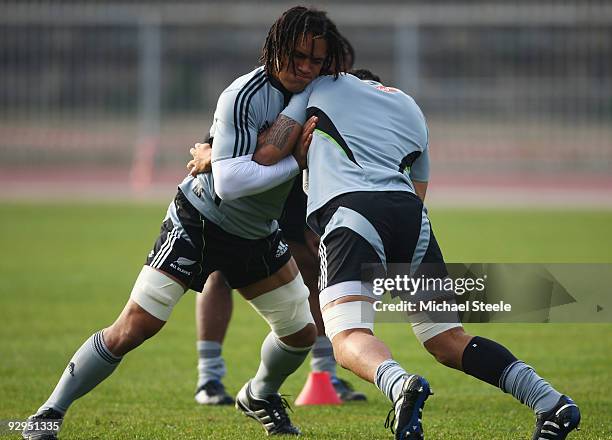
[{"x": 134, "y": 326}]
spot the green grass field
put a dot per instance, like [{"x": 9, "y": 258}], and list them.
[{"x": 66, "y": 271}]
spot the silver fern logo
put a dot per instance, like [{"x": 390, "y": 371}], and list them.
[{"x": 182, "y": 261}]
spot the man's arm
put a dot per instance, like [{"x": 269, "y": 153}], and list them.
[
  {"x": 420, "y": 188},
  {"x": 235, "y": 174},
  {"x": 242, "y": 176},
  {"x": 241, "y": 168},
  {"x": 280, "y": 140},
  {"x": 419, "y": 174}
]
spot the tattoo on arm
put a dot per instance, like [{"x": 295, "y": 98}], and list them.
[{"x": 280, "y": 131}]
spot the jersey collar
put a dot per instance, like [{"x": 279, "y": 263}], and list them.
[{"x": 278, "y": 86}]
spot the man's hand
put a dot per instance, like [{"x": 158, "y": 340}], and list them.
[
  {"x": 201, "y": 162},
  {"x": 300, "y": 153},
  {"x": 261, "y": 138}
]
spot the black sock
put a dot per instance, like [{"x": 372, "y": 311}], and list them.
[{"x": 486, "y": 360}]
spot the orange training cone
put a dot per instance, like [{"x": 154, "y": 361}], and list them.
[{"x": 318, "y": 390}]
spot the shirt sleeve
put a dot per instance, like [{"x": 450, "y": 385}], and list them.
[
  {"x": 235, "y": 126},
  {"x": 241, "y": 176},
  {"x": 419, "y": 171}
]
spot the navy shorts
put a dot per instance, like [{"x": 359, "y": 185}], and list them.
[
  {"x": 369, "y": 228},
  {"x": 293, "y": 219},
  {"x": 190, "y": 247}
]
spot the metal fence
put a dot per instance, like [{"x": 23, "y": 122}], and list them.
[{"x": 517, "y": 87}]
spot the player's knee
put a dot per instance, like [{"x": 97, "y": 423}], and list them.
[
  {"x": 447, "y": 347},
  {"x": 442, "y": 356},
  {"x": 121, "y": 338},
  {"x": 133, "y": 327},
  {"x": 339, "y": 344},
  {"x": 304, "y": 338},
  {"x": 347, "y": 346},
  {"x": 156, "y": 293},
  {"x": 125, "y": 338},
  {"x": 287, "y": 311}
]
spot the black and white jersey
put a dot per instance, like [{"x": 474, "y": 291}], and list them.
[{"x": 247, "y": 107}]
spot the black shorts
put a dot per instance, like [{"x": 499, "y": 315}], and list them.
[
  {"x": 368, "y": 227},
  {"x": 293, "y": 219},
  {"x": 190, "y": 247}
]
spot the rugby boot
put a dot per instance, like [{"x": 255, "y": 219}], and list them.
[
  {"x": 270, "y": 412},
  {"x": 407, "y": 410},
  {"x": 557, "y": 423},
  {"x": 43, "y": 425},
  {"x": 213, "y": 393}
]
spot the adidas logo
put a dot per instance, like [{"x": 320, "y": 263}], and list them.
[{"x": 282, "y": 248}]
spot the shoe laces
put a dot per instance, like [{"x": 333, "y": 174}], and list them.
[
  {"x": 278, "y": 403},
  {"x": 391, "y": 415}
]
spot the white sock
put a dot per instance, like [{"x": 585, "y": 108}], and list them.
[
  {"x": 390, "y": 379},
  {"x": 211, "y": 365}
]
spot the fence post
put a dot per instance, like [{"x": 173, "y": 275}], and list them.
[
  {"x": 149, "y": 106},
  {"x": 406, "y": 54}
]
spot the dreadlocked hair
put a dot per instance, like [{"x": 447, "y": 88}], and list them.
[{"x": 293, "y": 26}]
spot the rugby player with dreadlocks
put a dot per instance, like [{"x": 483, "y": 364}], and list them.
[
  {"x": 226, "y": 221},
  {"x": 214, "y": 305}
]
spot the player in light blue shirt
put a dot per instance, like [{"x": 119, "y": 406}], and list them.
[{"x": 368, "y": 166}]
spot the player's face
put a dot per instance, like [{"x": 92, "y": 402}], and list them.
[{"x": 307, "y": 60}]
